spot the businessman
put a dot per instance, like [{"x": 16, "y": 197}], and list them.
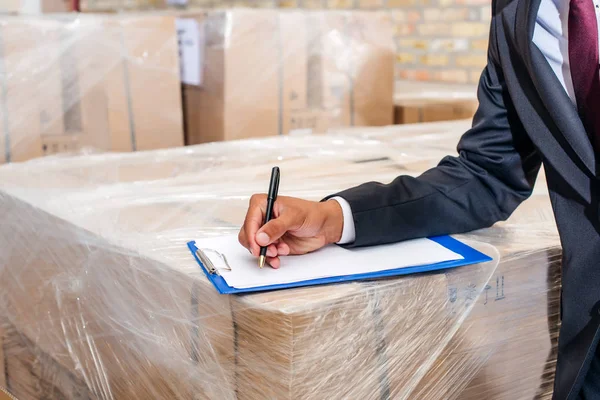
[{"x": 539, "y": 102}]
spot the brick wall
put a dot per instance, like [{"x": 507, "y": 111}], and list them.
[{"x": 442, "y": 40}]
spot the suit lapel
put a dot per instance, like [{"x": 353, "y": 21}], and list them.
[{"x": 553, "y": 95}]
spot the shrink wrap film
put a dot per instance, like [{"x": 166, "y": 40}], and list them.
[
  {"x": 129, "y": 82},
  {"x": 101, "y": 299},
  {"x": 273, "y": 72},
  {"x": 72, "y": 82}
]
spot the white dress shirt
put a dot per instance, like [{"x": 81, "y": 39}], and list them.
[{"x": 551, "y": 37}]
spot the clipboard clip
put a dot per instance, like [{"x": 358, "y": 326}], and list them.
[{"x": 210, "y": 267}]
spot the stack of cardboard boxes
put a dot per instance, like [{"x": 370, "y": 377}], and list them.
[
  {"x": 270, "y": 72},
  {"x": 113, "y": 82},
  {"x": 109, "y": 83}
]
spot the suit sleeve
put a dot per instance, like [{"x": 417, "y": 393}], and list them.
[{"x": 494, "y": 172}]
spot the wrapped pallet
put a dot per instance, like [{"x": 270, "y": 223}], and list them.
[
  {"x": 101, "y": 82},
  {"x": 101, "y": 299},
  {"x": 271, "y": 72}
]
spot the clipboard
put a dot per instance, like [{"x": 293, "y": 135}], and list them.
[{"x": 469, "y": 254}]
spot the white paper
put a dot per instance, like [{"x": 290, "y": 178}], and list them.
[
  {"x": 191, "y": 38},
  {"x": 30, "y": 7},
  {"x": 331, "y": 261}
]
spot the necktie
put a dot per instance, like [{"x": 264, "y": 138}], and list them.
[{"x": 584, "y": 62}]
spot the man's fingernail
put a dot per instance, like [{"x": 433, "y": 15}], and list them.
[
  {"x": 250, "y": 250},
  {"x": 262, "y": 238}
]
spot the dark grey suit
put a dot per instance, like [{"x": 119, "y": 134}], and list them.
[{"x": 525, "y": 118}]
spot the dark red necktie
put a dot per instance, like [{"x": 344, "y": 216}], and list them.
[{"x": 584, "y": 61}]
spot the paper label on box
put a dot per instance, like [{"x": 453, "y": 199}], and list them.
[
  {"x": 31, "y": 7},
  {"x": 191, "y": 39}
]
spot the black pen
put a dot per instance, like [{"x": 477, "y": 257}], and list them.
[{"x": 271, "y": 197}]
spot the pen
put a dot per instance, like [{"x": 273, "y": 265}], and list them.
[{"x": 271, "y": 197}]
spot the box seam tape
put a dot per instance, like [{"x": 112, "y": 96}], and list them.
[
  {"x": 4, "y": 101},
  {"x": 280, "y": 75},
  {"x": 347, "y": 28},
  {"x": 380, "y": 347},
  {"x": 127, "y": 80}
]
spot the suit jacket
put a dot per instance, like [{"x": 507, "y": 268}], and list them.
[{"x": 525, "y": 118}]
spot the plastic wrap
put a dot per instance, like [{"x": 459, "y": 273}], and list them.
[
  {"x": 101, "y": 299},
  {"x": 69, "y": 82},
  {"x": 105, "y": 82},
  {"x": 273, "y": 72}
]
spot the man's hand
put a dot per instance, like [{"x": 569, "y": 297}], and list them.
[{"x": 298, "y": 227}]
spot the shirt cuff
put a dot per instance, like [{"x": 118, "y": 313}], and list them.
[{"x": 348, "y": 231}]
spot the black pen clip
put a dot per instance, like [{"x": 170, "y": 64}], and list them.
[
  {"x": 274, "y": 186},
  {"x": 277, "y": 183}
]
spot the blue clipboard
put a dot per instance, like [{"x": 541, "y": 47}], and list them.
[{"x": 471, "y": 256}]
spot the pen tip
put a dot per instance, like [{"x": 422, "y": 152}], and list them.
[{"x": 261, "y": 261}]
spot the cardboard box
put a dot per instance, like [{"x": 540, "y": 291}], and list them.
[
  {"x": 53, "y": 6},
  {"x": 107, "y": 83},
  {"x": 416, "y": 102},
  {"x": 115, "y": 6},
  {"x": 35, "y": 6},
  {"x": 10, "y": 6},
  {"x": 502, "y": 348},
  {"x": 311, "y": 359},
  {"x": 21, "y": 111},
  {"x": 428, "y": 110},
  {"x": 271, "y": 72},
  {"x": 508, "y": 341},
  {"x": 153, "y": 73}
]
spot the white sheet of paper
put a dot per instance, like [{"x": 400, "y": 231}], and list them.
[
  {"x": 330, "y": 261},
  {"x": 191, "y": 40}
]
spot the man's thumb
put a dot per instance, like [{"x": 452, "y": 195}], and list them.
[{"x": 272, "y": 231}]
